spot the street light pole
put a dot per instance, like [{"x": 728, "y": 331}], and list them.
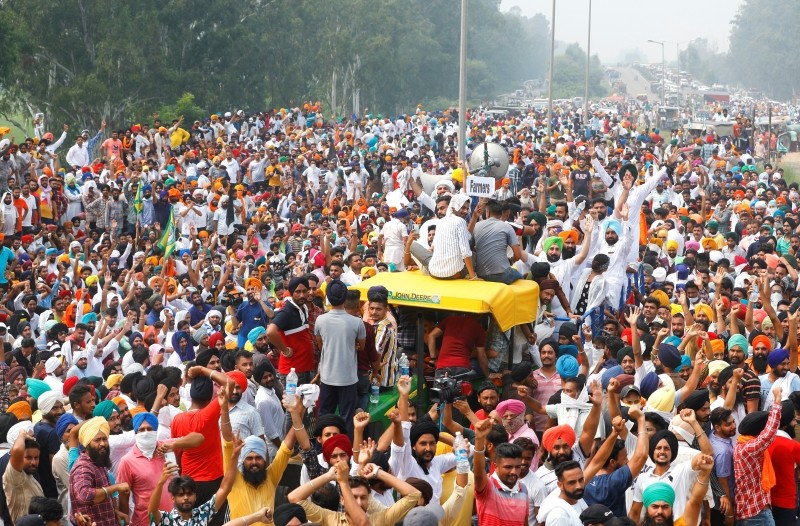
[
  {"x": 588, "y": 65},
  {"x": 550, "y": 74},
  {"x": 663, "y": 69},
  {"x": 462, "y": 87}
]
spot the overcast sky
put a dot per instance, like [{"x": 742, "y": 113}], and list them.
[{"x": 621, "y": 26}]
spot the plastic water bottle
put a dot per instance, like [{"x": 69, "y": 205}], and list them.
[
  {"x": 403, "y": 365},
  {"x": 374, "y": 393},
  {"x": 291, "y": 388},
  {"x": 460, "y": 450}
]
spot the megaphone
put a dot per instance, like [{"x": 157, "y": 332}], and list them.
[{"x": 492, "y": 156}]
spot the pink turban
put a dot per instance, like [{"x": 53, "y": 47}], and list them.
[{"x": 515, "y": 406}]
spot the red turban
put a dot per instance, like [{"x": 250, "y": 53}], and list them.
[
  {"x": 239, "y": 378},
  {"x": 69, "y": 383},
  {"x": 762, "y": 339},
  {"x": 341, "y": 441},
  {"x": 214, "y": 338},
  {"x": 563, "y": 432}
]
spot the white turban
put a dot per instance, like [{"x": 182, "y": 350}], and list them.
[
  {"x": 48, "y": 400},
  {"x": 51, "y": 364},
  {"x": 457, "y": 202}
]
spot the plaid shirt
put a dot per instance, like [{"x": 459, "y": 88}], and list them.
[
  {"x": 84, "y": 479},
  {"x": 748, "y": 458},
  {"x": 5, "y": 401}
]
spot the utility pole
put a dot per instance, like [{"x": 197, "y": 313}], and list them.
[
  {"x": 462, "y": 87},
  {"x": 550, "y": 74},
  {"x": 663, "y": 70},
  {"x": 588, "y": 67}
]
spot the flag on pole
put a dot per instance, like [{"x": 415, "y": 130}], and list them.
[
  {"x": 169, "y": 237},
  {"x": 138, "y": 205}
]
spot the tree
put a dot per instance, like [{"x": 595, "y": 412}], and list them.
[{"x": 569, "y": 75}]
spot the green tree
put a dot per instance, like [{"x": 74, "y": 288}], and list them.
[{"x": 569, "y": 75}]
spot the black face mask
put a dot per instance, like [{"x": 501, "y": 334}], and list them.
[{"x": 760, "y": 364}]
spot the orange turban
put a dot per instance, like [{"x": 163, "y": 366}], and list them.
[
  {"x": 763, "y": 340},
  {"x": 567, "y": 234},
  {"x": 563, "y": 432},
  {"x": 717, "y": 346},
  {"x": 239, "y": 378},
  {"x": 22, "y": 410}
]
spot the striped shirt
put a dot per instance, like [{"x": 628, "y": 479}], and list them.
[
  {"x": 450, "y": 247},
  {"x": 386, "y": 346},
  {"x": 497, "y": 506}
]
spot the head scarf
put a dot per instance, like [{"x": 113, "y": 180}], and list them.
[
  {"x": 47, "y": 401},
  {"x": 36, "y": 387},
  {"x": 515, "y": 406},
  {"x": 671, "y": 439},
  {"x": 658, "y": 492},
  {"x": 253, "y": 335},
  {"x": 105, "y": 409},
  {"x": 22, "y": 410},
  {"x": 457, "y": 202},
  {"x": 188, "y": 354},
  {"x": 552, "y": 240},
  {"x": 91, "y": 428},
  {"x": 341, "y": 441},
  {"x": 64, "y": 422},
  {"x": 563, "y": 432},
  {"x": 257, "y": 445},
  {"x": 567, "y": 367},
  {"x": 738, "y": 340},
  {"x": 145, "y": 416}
]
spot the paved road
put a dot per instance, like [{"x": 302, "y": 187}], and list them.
[{"x": 635, "y": 83}]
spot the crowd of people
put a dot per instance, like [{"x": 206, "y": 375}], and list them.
[{"x": 181, "y": 329}]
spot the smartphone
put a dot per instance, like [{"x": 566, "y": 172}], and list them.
[
  {"x": 796, "y": 305},
  {"x": 169, "y": 456}
]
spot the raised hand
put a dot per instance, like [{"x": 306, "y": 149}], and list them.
[{"x": 688, "y": 416}]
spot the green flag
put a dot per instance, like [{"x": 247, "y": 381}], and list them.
[
  {"x": 169, "y": 237},
  {"x": 138, "y": 205}
]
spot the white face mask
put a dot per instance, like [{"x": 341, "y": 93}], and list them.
[
  {"x": 146, "y": 442},
  {"x": 774, "y": 298}
]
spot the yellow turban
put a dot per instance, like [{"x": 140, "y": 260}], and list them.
[
  {"x": 702, "y": 307},
  {"x": 91, "y": 280},
  {"x": 675, "y": 309},
  {"x": 663, "y": 399},
  {"x": 716, "y": 366},
  {"x": 113, "y": 380},
  {"x": 662, "y": 297},
  {"x": 672, "y": 244},
  {"x": 91, "y": 428}
]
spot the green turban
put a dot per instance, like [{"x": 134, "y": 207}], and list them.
[
  {"x": 551, "y": 210},
  {"x": 105, "y": 409},
  {"x": 539, "y": 217},
  {"x": 658, "y": 492},
  {"x": 553, "y": 240}
]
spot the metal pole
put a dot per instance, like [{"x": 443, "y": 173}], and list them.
[
  {"x": 769, "y": 136},
  {"x": 588, "y": 65},
  {"x": 462, "y": 87},
  {"x": 422, "y": 387},
  {"x": 663, "y": 75},
  {"x": 550, "y": 74}
]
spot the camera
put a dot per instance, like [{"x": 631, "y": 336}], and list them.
[{"x": 450, "y": 388}]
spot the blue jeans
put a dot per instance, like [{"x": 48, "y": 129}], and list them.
[
  {"x": 509, "y": 276},
  {"x": 764, "y": 518}
]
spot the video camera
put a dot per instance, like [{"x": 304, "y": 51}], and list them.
[{"x": 450, "y": 388}]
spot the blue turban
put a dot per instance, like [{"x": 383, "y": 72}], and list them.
[
  {"x": 608, "y": 374},
  {"x": 36, "y": 387},
  {"x": 672, "y": 340},
  {"x": 188, "y": 354},
  {"x": 567, "y": 367},
  {"x": 105, "y": 409},
  {"x": 64, "y": 421},
  {"x": 613, "y": 224},
  {"x": 144, "y": 416},
  {"x": 184, "y": 252},
  {"x": 252, "y": 445},
  {"x": 147, "y": 188},
  {"x": 253, "y": 335},
  {"x": 134, "y": 335},
  {"x": 738, "y": 340},
  {"x": 89, "y": 317},
  {"x": 777, "y": 357},
  {"x": 51, "y": 252},
  {"x": 669, "y": 355},
  {"x": 649, "y": 384},
  {"x": 568, "y": 350},
  {"x": 686, "y": 361}
]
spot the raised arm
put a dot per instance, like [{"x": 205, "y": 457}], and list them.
[{"x": 592, "y": 420}]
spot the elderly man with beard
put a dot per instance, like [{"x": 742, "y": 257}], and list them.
[
  {"x": 257, "y": 479},
  {"x": 19, "y": 483},
  {"x": 512, "y": 413},
  {"x": 90, "y": 489},
  {"x": 52, "y": 407}
]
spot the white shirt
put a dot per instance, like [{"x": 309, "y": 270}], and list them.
[
  {"x": 404, "y": 465},
  {"x": 680, "y": 476}
]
